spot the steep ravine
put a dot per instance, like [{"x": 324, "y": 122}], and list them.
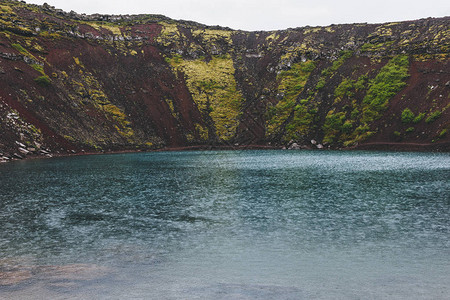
[{"x": 73, "y": 83}]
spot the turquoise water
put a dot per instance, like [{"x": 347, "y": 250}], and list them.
[{"x": 227, "y": 225}]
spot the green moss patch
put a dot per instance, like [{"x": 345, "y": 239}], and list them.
[
  {"x": 407, "y": 116},
  {"x": 291, "y": 85},
  {"x": 213, "y": 89},
  {"x": 433, "y": 116},
  {"x": 389, "y": 81},
  {"x": 43, "y": 80}
]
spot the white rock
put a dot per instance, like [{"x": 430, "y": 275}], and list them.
[
  {"x": 15, "y": 155},
  {"x": 23, "y": 151},
  {"x": 20, "y": 144},
  {"x": 294, "y": 146}
]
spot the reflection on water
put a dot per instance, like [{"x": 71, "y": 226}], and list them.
[{"x": 226, "y": 225}]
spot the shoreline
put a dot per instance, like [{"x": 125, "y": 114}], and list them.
[
  {"x": 375, "y": 146},
  {"x": 404, "y": 147},
  {"x": 169, "y": 149}
]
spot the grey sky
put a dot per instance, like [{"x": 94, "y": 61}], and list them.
[{"x": 266, "y": 14}]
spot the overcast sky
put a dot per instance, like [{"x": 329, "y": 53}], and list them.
[{"x": 265, "y": 14}]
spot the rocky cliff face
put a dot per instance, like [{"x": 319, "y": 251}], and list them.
[{"x": 72, "y": 83}]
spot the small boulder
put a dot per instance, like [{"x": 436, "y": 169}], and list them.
[
  {"x": 20, "y": 144},
  {"x": 314, "y": 142},
  {"x": 23, "y": 151},
  {"x": 294, "y": 146},
  {"x": 15, "y": 155}
]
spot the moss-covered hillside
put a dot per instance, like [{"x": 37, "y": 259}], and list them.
[{"x": 71, "y": 83}]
